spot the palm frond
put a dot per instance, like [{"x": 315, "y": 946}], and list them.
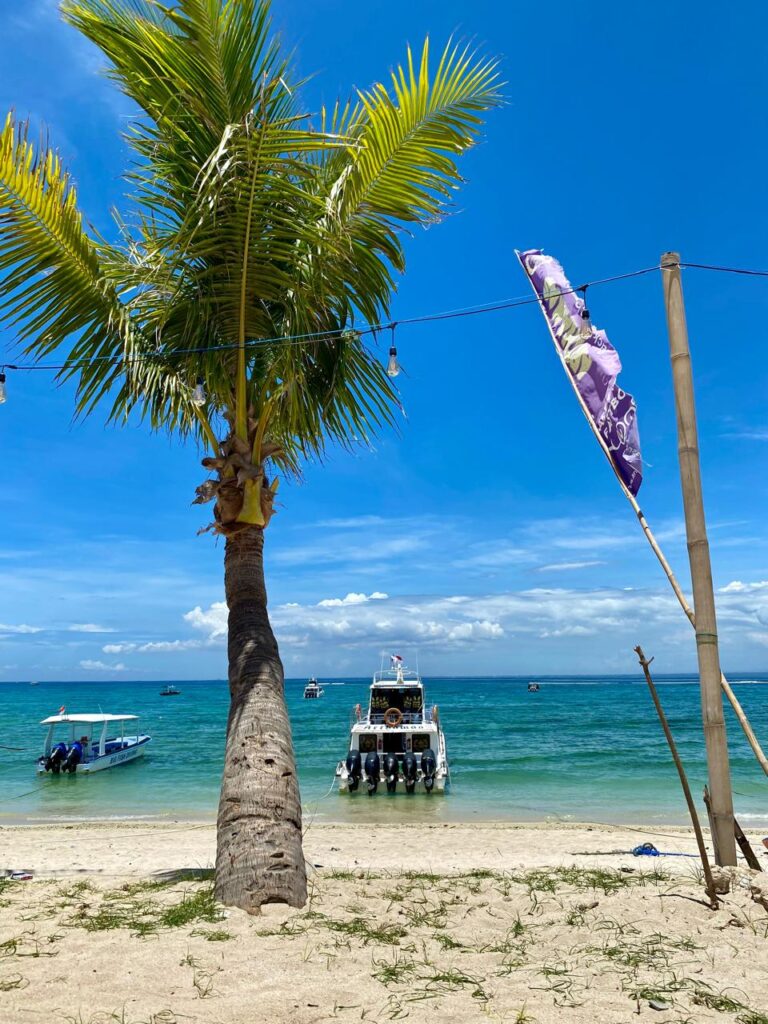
[{"x": 249, "y": 227}]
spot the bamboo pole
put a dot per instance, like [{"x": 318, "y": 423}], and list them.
[
  {"x": 667, "y": 568},
  {"x": 710, "y": 886},
  {"x": 701, "y": 569}
]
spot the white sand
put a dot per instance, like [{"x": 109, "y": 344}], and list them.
[{"x": 501, "y": 944}]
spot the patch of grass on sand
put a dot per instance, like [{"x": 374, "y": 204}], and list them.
[
  {"x": 703, "y": 995},
  {"x": 28, "y": 944},
  {"x": 13, "y": 981},
  {"x": 393, "y": 971},
  {"x": 213, "y": 934},
  {"x": 446, "y": 942},
  {"x": 119, "y": 1017},
  {"x": 366, "y": 932},
  {"x": 605, "y": 880},
  {"x": 131, "y": 908}
]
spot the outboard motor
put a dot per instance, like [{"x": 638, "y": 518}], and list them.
[
  {"x": 409, "y": 771},
  {"x": 428, "y": 769},
  {"x": 53, "y": 762},
  {"x": 74, "y": 757},
  {"x": 372, "y": 765},
  {"x": 390, "y": 772},
  {"x": 354, "y": 770}
]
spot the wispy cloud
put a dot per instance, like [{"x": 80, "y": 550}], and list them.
[
  {"x": 339, "y": 602},
  {"x": 88, "y": 627},
  {"x": 99, "y": 666},
  {"x": 19, "y": 629},
  {"x": 567, "y": 566},
  {"x": 152, "y": 647},
  {"x": 760, "y": 434},
  {"x": 354, "y": 523},
  {"x": 339, "y": 551}
]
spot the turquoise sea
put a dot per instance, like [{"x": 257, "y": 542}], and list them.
[{"x": 581, "y": 749}]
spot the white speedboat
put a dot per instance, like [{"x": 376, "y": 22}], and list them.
[
  {"x": 398, "y": 740},
  {"x": 313, "y": 690},
  {"x": 89, "y": 743}
]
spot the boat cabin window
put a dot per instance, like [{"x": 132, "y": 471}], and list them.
[
  {"x": 394, "y": 743},
  {"x": 407, "y": 699}
]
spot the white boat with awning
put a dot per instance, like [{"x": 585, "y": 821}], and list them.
[
  {"x": 89, "y": 743},
  {"x": 397, "y": 739}
]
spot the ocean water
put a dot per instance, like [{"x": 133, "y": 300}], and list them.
[{"x": 580, "y": 749}]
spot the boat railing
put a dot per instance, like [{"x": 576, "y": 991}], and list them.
[{"x": 377, "y": 717}]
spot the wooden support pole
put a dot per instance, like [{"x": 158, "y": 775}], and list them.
[
  {"x": 701, "y": 571},
  {"x": 710, "y": 884}
]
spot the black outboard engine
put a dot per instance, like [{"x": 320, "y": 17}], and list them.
[
  {"x": 409, "y": 772},
  {"x": 390, "y": 772},
  {"x": 372, "y": 766},
  {"x": 428, "y": 769},
  {"x": 53, "y": 762},
  {"x": 73, "y": 758},
  {"x": 354, "y": 770}
]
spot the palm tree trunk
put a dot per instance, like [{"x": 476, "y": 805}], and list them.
[{"x": 259, "y": 858}]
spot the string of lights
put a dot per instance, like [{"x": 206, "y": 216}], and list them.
[{"x": 393, "y": 367}]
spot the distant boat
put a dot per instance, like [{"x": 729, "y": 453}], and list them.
[
  {"x": 169, "y": 691},
  {"x": 313, "y": 690},
  {"x": 33, "y": 682},
  {"x": 86, "y": 749},
  {"x": 533, "y": 687}
]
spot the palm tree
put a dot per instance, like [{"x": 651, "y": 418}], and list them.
[{"x": 225, "y": 310}]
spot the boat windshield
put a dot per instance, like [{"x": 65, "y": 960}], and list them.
[{"x": 407, "y": 699}]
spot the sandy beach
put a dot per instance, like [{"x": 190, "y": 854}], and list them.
[{"x": 448, "y": 922}]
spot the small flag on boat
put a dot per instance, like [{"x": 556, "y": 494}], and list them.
[
  {"x": 396, "y": 660},
  {"x": 62, "y": 709},
  {"x": 592, "y": 364}
]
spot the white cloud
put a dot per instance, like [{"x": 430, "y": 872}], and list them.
[
  {"x": 354, "y": 523},
  {"x": 748, "y": 435},
  {"x": 213, "y": 621},
  {"x": 152, "y": 647},
  {"x": 100, "y": 666},
  {"x": 88, "y": 627},
  {"x": 19, "y": 629},
  {"x": 567, "y": 631},
  {"x": 337, "y": 602},
  {"x": 737, "y": 587}
]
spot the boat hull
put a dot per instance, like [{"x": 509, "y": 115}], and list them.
[{"x": 439, "y": 788}]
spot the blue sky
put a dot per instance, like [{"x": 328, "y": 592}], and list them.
[{"x": 489, "y": 535}]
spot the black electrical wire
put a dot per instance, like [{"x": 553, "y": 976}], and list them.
[{"x": 302, "y": 339}]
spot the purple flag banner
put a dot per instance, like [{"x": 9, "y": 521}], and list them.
[{"x": 592, "y": 363}]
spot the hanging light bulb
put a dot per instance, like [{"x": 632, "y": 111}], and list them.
[
  {"x": 585, "y": 311},
  {"x": 3, "y": 394},
  {"x": 393, "y": 367},
  {"x": 199, "y": 396}
]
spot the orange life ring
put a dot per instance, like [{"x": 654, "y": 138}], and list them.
[{"x": 393, "y": 717}]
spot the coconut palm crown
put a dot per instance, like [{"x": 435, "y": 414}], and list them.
[{"x": 257, "y": 236}]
